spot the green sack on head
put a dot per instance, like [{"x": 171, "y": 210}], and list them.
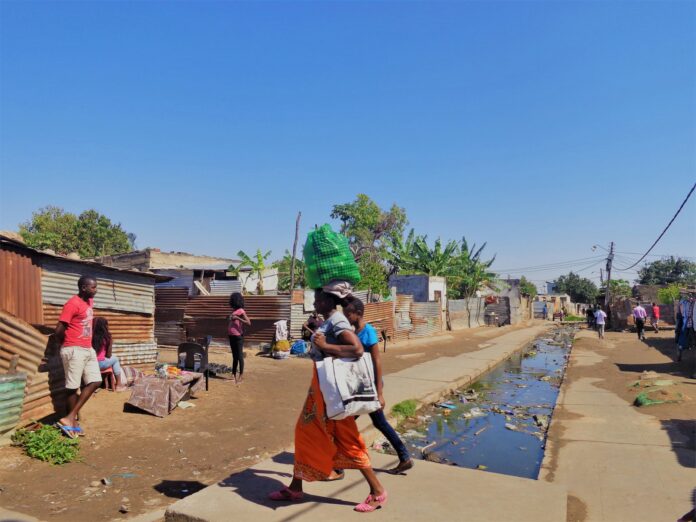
[{"x": 328, "y": 257}]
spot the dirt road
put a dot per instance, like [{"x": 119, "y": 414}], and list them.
[{"x": 230, "y": 428}]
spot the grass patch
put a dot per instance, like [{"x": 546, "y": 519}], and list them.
[
  {"x": 47, "y": 443},
  {"x": 405, "y": 408},
  {"x": 575, "y": 318}
]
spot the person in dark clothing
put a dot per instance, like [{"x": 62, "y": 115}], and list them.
[
  {"x": 238, "y": 319},
  {"x": 310, "y": 327}
]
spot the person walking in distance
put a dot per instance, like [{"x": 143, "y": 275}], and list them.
[
  {"x": 600, "y": 321},
  {"x": 655, "y": 317},
  {"x": 74, "y": 333},
  {"x": 639, "y": 314}
]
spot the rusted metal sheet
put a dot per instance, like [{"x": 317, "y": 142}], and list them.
[
  {"x": 426, "y": 319},
  {"x": 116, "y": 291},
  {"x": 498, "y": 313},
  {"x": 44, "y": 391},
  {"x": 170, "y": 333},
  {"x": 402, "y": 317},
  {"x": 20, "y": 284},
  {"x": 124, "y": 326},
  {"x": 297, "y": 318},
  {"x": 170, "y": 304},
  {"x": 207, "y": 315},
  {"x": 135, "y": 353},
  {"x": 380, "y": 315}
]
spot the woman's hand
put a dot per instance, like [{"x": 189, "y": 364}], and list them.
[
  {"x": 381, "y": 400},
  {"x": 319, "y": 340}
]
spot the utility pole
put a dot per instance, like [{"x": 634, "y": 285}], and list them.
[
  {"x": 610, "y": 259},
  {"x": 294, "y": 252}
]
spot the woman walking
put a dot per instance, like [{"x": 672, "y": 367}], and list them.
[
  {"x": 321, "y": 444},
  {"x": 238, "y": 319},
  {"x": 368, "y": 337}
]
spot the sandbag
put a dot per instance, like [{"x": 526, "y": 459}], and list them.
[{"x": 328, "y": 257}]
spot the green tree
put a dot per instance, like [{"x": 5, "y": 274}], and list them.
[
  {"x": 370, "y": 230},
  {"x": 90, "y": 234},
  {"x": 471, "y": 273},
  {"x": 669, "y": 294},
  {"x": 620, "y": 288},
  {"x": 527, "y": 287},
  {"x": 666, "y": 271},
  {"x": 580, "y": 289},
  {"x": 368, "y": 227},
  {"x": 283, "y": 266},
  {"x": 257, "y": 265}
]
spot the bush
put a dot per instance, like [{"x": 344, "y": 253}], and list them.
[
  {"x": 405, "y": 408},
  {"x": 48, "y": 444},
  {"x": 668, "y": 294}
]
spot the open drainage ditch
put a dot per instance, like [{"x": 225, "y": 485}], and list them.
[{"x": 499, "y": 423}]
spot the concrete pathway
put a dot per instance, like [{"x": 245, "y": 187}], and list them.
[
  {"x": 620, "y": 463},
  {"x": 430, "y": 491}
]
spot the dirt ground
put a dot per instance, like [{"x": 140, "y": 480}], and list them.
[
  {"x": 625, "y": 359},
  {"x": 230, "y": 428}
]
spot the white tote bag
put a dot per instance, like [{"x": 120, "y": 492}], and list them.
[{"x": 348, "y": 386}]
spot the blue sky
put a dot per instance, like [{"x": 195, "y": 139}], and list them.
[{"x": 542, "y": 128}]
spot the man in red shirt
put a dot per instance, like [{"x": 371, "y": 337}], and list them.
[
  {"x": 74, "y": 333},
  {"x": 655, "y": 317}
]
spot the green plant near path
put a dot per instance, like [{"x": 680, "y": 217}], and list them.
[
  {"x": 405, "y": 408},
  {"x": 668, "y": 294},
  {"x": 48, "y": 444}
]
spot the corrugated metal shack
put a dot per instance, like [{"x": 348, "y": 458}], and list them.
[
  {"x": 207, "y": 315},
  {"x": 35, "y": 286}
]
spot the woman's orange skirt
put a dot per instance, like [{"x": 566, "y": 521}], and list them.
[{"x": 321, "y": 444}]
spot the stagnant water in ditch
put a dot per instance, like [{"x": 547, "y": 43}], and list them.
[{"x": 499, "y": 423}]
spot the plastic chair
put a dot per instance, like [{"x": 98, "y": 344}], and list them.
[
  {"x": 108, "y": 379},
  {"x": 196, "y": 357}
]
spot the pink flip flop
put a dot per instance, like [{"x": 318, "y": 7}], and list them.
[
  {"x": 286, "y": 494},
  {"x": 365, "y": 507}
]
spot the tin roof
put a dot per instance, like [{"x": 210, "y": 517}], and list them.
[{"x": 6, "y": 240}]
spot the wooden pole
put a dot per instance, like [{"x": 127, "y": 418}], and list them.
[{"x": 294, "y": 252}]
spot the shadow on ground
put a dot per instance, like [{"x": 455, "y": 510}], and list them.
[
  {"x": 667, "y": 347},
  {"x": 179, "y": 488},
  {"x": 682, "y": 435},
  {"x": 254, "y": 485}
]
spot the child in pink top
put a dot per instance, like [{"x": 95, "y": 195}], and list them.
[
  {"x": 237, "y": 321},
  {"x": 102, "y": 343}
]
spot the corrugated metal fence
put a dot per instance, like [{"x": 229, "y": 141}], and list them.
[
  {"x": 498, "y": 312},
  {"x": 20, "y": 284}
]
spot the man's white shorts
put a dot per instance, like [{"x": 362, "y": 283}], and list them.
[{"x": 79, "y": 364}]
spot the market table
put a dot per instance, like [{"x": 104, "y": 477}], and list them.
[{"x": 160, "y": 396}]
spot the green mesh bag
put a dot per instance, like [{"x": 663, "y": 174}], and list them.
[{"x": 327, "y": 257}]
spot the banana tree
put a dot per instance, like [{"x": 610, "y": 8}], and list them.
[{"x": 257, "y": 265}]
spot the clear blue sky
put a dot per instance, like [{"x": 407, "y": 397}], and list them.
[{"x": 540, "y": 127}]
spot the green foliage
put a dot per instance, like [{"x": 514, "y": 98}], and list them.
[
  {"x": 463, "y": 267},
  {"x": 668, "y": 294},
  {"x": 90, "y": 234},
  {"x": 47, "y": 444},
  {"x": 405, "y": 408},
  {"x": 666, "y": 271},
  {"x": 527, "y": 288},
  {"x": 374, "y": 275},
  {"x": 580, "y": 289},
  {"x": 257, "y": 265},
  {"x": 575, "y": 318},
  {"x": 283, "y": 266},
  {"x": 370, "y": 230},
  {"x": 620, "y": 288}
]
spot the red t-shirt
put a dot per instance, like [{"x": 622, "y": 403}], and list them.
[
  {"x": 656, "y": 312},
  {"x": 77, "y": 314}
]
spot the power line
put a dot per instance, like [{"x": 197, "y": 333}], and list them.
[
  {"x": 550, "y": 266},
  {"x": 666, "y": 228}
]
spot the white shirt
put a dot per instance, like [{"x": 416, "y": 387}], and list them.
[{"x": 600, "y": 316}]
